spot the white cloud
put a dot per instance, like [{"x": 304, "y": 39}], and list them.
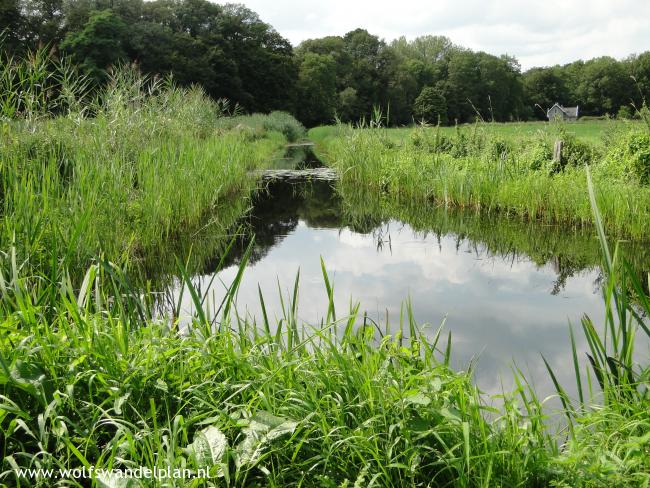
[
  {"x": 499, "y": 308},
  {"x": 536, "y": 32}
]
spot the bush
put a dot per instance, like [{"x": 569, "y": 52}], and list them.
[
  {"x": 630, "y": 158},
  {"x": 639, "y": 151},
  {"x": 286, "y": 124},
  {"x": 281, "y": 122},
  {"x": 625, "y": 113},
  {"x": 575, "y": 153},
  {"x": 538, "y": 153},
  {"x": 430, "y": 140},
  {"x": 499, "y": 148},
  {"x": 466, "y": 143}
]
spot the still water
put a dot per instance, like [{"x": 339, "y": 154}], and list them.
[{"x": 506, "y": 290}]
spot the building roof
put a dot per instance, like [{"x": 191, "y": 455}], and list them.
[{"x": 568, "y": 111}]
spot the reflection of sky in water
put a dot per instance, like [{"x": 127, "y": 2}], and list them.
[{"x": 499, "y": 308}]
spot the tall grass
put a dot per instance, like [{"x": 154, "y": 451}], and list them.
[
  {"x": 479, "y": 170},
  {"x": 288, "y": 405},
  {"x": 128, "y": 173},
  {"x": 610, "y": 443}
]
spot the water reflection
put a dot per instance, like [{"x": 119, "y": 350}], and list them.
[{"x": 506, "y": 289}]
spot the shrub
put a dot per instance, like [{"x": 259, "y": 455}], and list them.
[
  {"x": 460, "y": 146},
  {"x": 575, "y": 153},
  {"x": 286, "y": 124},
  {"x": 625, "y": 113},
  {"x": 281, "y": 122},
  {"x": 630, "y": 158},
  {"x": 430, "y": 140},
  {"x": 468, "y": 143},
  {"x": 538, "y": 153},
  {"x": 431, "y": 106},
  {"x": 498, "y": 148},
  {"x": 639, "y": 152},
  {"x": 418, "y": 138}
]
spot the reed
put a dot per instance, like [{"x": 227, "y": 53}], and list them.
[
  {"x": 476, "y": 168},
  {"x": 609, "y": 422},
  {"x": 127, "y": 174}
]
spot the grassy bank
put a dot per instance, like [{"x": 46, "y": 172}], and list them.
[
  {"x": 132, "y": 174},
  {"x": 99, "y": 382},
  {"x": 477, "y": 167},
  {"x": 289, "y": 408}
]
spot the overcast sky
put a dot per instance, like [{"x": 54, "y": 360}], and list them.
[{"x": 538, "y": 33}]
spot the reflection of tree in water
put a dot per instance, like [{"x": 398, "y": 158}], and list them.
[
  {"x": 276, "y": 212},
  {"x": 278, "y": 209},
  {"x": 565, "y": 269},
  {"x": 568, "y": 252}
]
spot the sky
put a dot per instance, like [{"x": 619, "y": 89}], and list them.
[{"x": 537, "y": 33}]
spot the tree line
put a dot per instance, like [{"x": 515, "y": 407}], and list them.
[{"x": 233, "y": 54}]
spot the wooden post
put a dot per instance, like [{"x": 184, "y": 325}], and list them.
[{"x": 557, "y": 152}]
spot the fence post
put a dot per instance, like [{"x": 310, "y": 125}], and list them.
[{"x": 557, "y": 152}]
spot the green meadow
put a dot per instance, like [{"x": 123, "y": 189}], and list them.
[
  {"x": 591, "y": 131},
  {"x": 502, "y": 168}
]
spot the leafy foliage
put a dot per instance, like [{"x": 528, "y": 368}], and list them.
[
  {"x": 226, "y": 49},
  {"x": 431, "y": 106},
  {"x": 99, "y": 45},
  {"x": 629, "y": 157},
  {"x": 233, "y": 54},
  {"x": 317, "y": 89}
]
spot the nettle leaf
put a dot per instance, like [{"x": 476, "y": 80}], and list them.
[
  {"x": 418, "y": 398},
  {"x": 119, "y": 402},
  {"x": 29, "y": 377},
  {"x": 209, "y": 447},
  {"x": 161, "y": 385},
  {"x": 262, "y": 429},
  {"x": 25, "y": 372}
]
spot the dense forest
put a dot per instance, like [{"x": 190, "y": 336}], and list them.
[{"x": 233, "y": 54}]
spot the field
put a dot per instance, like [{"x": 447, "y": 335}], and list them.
[
  {"x": 591, "y": 131},
  {"x": 104, "y": 202},
  {"x": 504, "y": 169}
]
